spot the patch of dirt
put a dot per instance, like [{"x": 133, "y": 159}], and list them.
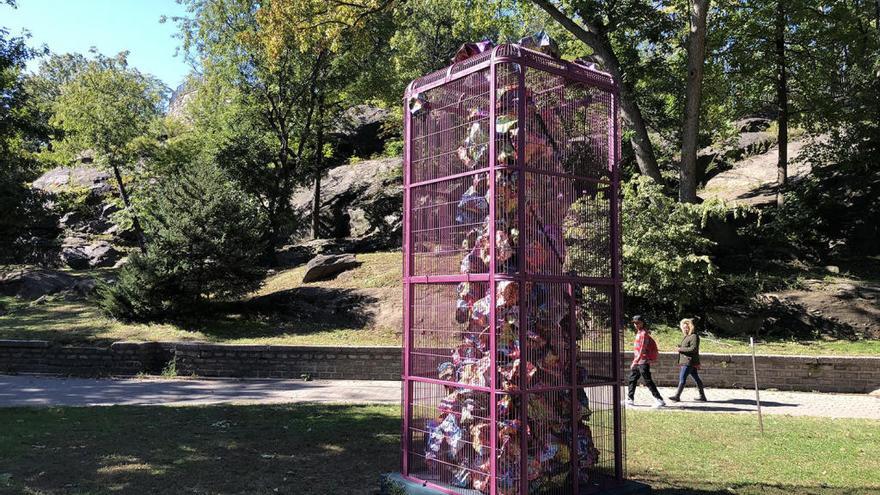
[{"x": 847, "y": 303}]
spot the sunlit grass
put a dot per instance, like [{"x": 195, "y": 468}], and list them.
[{"x": 668, "y": 338}]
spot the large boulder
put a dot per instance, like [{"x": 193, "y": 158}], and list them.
[
  {"x": 361, "y": 200},
  {"x": 323, "y": 267},
  {"x": 80, "y": 253},
  {"x": 180, "y": 100},
  {"x": 69, "y": 178},
  {"x": 735, "y": 320},
  {"x": 32, "y": 283},
  {"x": 715, "y": 159},
  {"x": 358, "y": 131}
]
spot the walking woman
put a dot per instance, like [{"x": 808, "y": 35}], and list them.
[{"x": 689, "y": 360}]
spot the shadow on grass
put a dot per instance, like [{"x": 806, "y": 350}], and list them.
[
  {"x": 296, "y": 449},
  {"x": 299, "y": 311}
]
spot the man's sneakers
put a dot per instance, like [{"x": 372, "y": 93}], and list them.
[{"x": 658, "y": 403}]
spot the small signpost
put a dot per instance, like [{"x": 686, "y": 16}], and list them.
[{"x": 757, "y": 394}]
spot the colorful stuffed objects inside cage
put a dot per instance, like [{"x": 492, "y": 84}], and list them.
[{"x": 511, "y": 380}]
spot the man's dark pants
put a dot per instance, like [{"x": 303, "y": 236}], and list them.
[{"x": 642, "y": 371}]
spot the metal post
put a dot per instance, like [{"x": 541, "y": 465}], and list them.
[
  {"x": 616, "y": 275},
  {"x": 493, "y": 349},
  {"x": 757, "y": 394}
]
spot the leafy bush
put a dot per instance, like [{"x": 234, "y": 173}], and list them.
[
  {"x": 203, "y": 244},
  {"x": 393, "y": 148},
  {"x": 834, "y": 211},
  {"x": 666, "y": 259}
]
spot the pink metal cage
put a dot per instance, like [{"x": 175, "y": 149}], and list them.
[{"x": 511, "y": 379}]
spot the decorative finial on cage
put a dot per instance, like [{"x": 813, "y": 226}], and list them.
[
  {"x": 468, "y": 50},
  {"x": 541, "y": 42},
  {"x": 418, "y": 104}
]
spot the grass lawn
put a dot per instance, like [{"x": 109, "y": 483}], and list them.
[
  {"x": 81, "y": 322},
  {"x": 333, "y": 449},
  {"x": 668, "y": 338}
]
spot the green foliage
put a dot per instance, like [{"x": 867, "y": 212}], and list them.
[
  {"x": 833, "y": 211},
  {"x": 204, "y": 244},
  {"x": 104, "y": 107},
  {"x": 24, "y": 221},
  {"x": 393, "y": 148},
  {"x": 76, "y": 199},
  {"x": 665, "y": 255}
]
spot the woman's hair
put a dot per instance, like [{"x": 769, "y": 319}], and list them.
[{"x": 687, "y": 326}]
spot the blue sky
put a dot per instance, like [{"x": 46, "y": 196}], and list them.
[{"x": 110, "y": 25}]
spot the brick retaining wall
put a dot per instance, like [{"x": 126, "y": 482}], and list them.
[
  {"x": 824, "y": 374},
  {"x": 121, "y": 358}
]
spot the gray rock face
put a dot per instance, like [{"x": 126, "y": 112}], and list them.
[
  {"x": 180, "y": 99},
  {"x": 322, "y": 267},
  {"x": 735, "y": 320},
  {"x": 362, "y": 201},
  {"x": 82, "y": 176},
  {"x": 80, "y": 253},
  {"x": 752, "y": 124},
  {"x": 358, "y": 131},
  {"x": 33, "y": 283}
]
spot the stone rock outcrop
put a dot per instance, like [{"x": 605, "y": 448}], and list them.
[
  {"x": 81, "y": 253},
  {"x": 326, "y": 266},
  {"x": 358, "y": 131},
  {"x": 81, "y": 176},
  {"x": 90, "y": 237},
  {"x": 180, "y": 99},
  {"x": 33, "y": 283},
  {"x": 361, "y": 201}
]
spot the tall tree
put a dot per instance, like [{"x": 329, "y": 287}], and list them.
[
  {"x": 102, "y": 111},
  {"x": 595, "y": 33},
  {"x": 781, "y": 26},
  {"x": 271, "y": 65},
  {"x": 353, "y": 37},
  {"x": 22, "y": 208},
  {"x": 687, "y": 192}
]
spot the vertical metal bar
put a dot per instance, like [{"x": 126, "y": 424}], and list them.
[
  {"x": 573, "y": 356},
  {"x": 406, "y": 410},
  {"x": 616, "y": 332},
  {"x": 572, "y": 390},
  {"x": 493, "y": 398},
  {"x": 521, "y": 278}
]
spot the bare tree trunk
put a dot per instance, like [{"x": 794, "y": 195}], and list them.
[
  {"x": 687, "y": 192},
  {"x": 135, "y": 223},
  {"x": 316, "y": 208},
  {"x": 877, "y": 14},
  {"x": 597, "y": 39},
  {"x": 782, "y": 103},
  {"x": 319, "y": 161}
]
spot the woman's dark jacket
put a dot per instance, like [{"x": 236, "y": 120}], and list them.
[{"x": 689, "y": 350}]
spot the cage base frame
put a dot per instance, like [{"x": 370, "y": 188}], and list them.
[{"x": 412, "y": 487}]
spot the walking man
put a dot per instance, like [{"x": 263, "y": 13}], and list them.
[{"x": 644, "y": 353}]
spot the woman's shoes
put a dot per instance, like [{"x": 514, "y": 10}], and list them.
[
  {"x": 701, "y": 398},
  {"x": 675, "y": 398}
]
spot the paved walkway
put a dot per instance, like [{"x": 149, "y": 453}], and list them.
[
  {"x": 27, "y": 390},
  {"x": 772, "y": 402}
]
